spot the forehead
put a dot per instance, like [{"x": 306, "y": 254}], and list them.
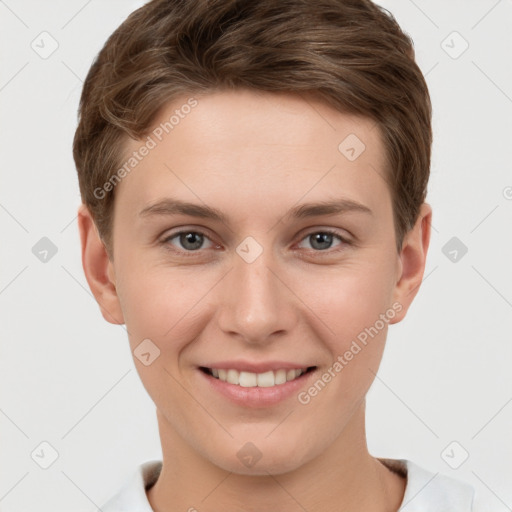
[{"x": 257, "y": 147}]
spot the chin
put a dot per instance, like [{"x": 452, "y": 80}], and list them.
[
  {"x": 262, "y": 467},
  {"x": 270, "y": 459}
]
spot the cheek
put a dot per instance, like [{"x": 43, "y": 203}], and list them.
[
  {"x": 356, "y": 309},
  {"x": 354, "y": 303},
  {"x": 348, "y": 299},
  {"x": 162, "y": 304},
  {"x": 164, "y": 307}
]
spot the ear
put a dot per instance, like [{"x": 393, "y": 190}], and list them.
[
  {"x": 412, "y": 261},
  {"x": 98, "y": 269}
]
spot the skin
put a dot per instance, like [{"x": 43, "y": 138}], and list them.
[{"x": 254, "y": 156}]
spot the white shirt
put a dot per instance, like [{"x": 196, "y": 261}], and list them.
[{"x": 424, "y": 492}]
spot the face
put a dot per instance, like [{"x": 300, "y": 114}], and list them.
[{"x": 297, "y": 270}]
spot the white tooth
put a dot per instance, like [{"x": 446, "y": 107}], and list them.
[
  {"x": 248, "y": 379},
  {"x": 290, "y": 375},
  {"x": 280, "y": 377},
  {"x": 266, "y": 380},
  {"x": 232, "y": 376}
]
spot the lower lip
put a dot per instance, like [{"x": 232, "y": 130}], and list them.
[{"x": 257, "y": 397}]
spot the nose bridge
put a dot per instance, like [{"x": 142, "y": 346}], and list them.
[{"x": 256, "y": 304}]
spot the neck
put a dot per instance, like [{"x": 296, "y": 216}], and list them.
[{"x": 343, "y": 478}]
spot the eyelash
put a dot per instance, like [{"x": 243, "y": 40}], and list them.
[{"x": 166, "y": 240}]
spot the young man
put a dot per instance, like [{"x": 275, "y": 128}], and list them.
[{"x": 253, "y": 177}]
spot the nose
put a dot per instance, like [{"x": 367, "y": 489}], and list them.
[{"x": 256, "y": 304}]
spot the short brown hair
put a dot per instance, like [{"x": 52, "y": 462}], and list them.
[{"x": 350, "y": 54}]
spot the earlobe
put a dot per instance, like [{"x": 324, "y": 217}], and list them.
[
  {"x": 98, "y": 269},
  {"x": 412, "y": 262}
]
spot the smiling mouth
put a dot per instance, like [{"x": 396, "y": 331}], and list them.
[{"x": 261, "y": 380}]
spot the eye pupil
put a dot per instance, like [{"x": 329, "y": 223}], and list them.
[
  {"x": 196, "y": 239},
  {"x": 321, "y": 238}
]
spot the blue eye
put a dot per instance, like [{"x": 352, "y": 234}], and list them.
[
  {"x": 322, "y": 240},
  {"x": 189, "y": 240}
]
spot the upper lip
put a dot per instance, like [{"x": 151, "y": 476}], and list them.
[{"x": 256, "y": 367}]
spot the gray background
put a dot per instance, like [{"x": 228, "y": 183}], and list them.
[{"x": 67, "y": 377}]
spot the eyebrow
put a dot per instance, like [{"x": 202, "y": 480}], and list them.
[
  {"x": 176, "y": 206},
  {"x": 303, "y": 211},
  {"x": 328, "y": 208}
]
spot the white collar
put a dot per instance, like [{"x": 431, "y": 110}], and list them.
[{"x": 425, "y": 491}]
